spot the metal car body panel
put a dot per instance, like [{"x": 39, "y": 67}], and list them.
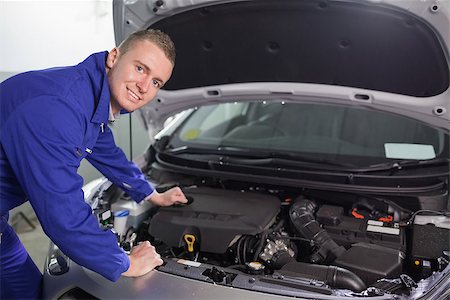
[{"x": 161, "y": 285}]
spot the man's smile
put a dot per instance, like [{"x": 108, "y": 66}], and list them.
[{"x": 133, "y": 97}]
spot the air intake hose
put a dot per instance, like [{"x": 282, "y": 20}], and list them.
[
  {"x": 302, "y": 217},
  {"x": 334, "y": 276}
]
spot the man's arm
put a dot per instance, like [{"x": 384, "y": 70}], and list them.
[
  {"x": 112, "y": 162},
  {"x": 41, "y": 141}
]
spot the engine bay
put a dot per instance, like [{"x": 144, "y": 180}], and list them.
[{"x": 315, "y": 240}]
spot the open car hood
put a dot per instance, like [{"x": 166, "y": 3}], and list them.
[{"x": 386, "y": 55}]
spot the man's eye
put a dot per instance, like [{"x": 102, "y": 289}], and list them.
[
  {"x": 156, "y": 83},
  {"x": 139, "y": 69}
]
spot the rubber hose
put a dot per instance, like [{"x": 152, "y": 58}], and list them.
[
  {"x": 336, "y": 277},
  {"x": 302, "y": 217}
]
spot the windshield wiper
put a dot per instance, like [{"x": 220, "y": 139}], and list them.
[
  {"x": 407, "y": 164},
  {"x": 261, "y": 157},
  {"x": 233, "y": 151}
]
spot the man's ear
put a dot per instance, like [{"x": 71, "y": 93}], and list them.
[{"x": 113, "y": 56}]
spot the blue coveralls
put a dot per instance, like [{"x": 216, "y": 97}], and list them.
[{"x": 49, "y": 121}]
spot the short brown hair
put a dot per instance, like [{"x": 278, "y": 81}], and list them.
[{"x": 155, "y": 36}]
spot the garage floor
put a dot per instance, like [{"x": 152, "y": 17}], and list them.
[
  {"x": 30, "y": 232},
  {"x": 28, "y": 228}
]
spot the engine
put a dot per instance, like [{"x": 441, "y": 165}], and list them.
[
  {"x": 242, "y": 229},
  {"x": 350, "y": 245},
  {"x": 213, "y": 220}
]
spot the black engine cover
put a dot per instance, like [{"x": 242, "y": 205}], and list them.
[{"x": 215, "y": 217}]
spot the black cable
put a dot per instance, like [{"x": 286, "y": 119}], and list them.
[
  {"x": 432, "y": 212},
  {"x": 261, "y": 244},
  {"x": 264, "y": 235},
  {"x": 238, "y": 250},
  {"x": 245, "y": 248},
  {"x": 398, "y": 207}
]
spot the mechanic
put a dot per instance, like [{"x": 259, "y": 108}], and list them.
[{"x": 49, "y": 121}]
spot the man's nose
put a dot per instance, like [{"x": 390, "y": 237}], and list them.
[{"x": 143, "y": 84}]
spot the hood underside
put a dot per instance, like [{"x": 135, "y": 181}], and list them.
[
  {"x": 397, "y": 47},
  {"x": 357, "y": 44}
]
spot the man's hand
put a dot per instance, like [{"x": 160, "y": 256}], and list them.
[
  {"x": 169, "y": 197},
  {"x": 143, "y": 259}
]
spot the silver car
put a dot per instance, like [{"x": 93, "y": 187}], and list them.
[{"x": 311, "y": 138}]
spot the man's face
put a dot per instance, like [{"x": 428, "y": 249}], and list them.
[{"x": 136, "y": 76}]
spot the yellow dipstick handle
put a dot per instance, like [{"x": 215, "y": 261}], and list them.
[{"x": 190, "y": 240}]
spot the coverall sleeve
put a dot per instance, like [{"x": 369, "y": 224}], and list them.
[
  {"x": 112, "y": 162},
  {"x": 41, "y": 140}
]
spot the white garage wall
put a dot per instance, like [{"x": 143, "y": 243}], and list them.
[{"x": 38, "y": 34}]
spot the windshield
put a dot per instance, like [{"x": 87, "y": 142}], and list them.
[{"x": 354, "y": 135}]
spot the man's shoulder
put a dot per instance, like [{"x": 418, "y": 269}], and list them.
[
  {"x": 76, "y": 80},
  {"x": 79, "y": 86},
  {"x": 53, "y": 81}
]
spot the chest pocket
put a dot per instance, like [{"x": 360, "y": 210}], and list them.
[
  {"x": 89, "y": 142},
  {"x": 81, "y": 152}
]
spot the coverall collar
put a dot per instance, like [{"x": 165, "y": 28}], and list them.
[{"x": 95, "y": 67}]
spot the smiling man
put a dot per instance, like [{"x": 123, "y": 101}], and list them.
[
  {"x": 136, "y": 71},
  {"x": 52, "y": 119}
]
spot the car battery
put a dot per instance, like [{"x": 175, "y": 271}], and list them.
[
  {"x": 347, "y": 230},
  {"x": 430, "y": 237}
]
